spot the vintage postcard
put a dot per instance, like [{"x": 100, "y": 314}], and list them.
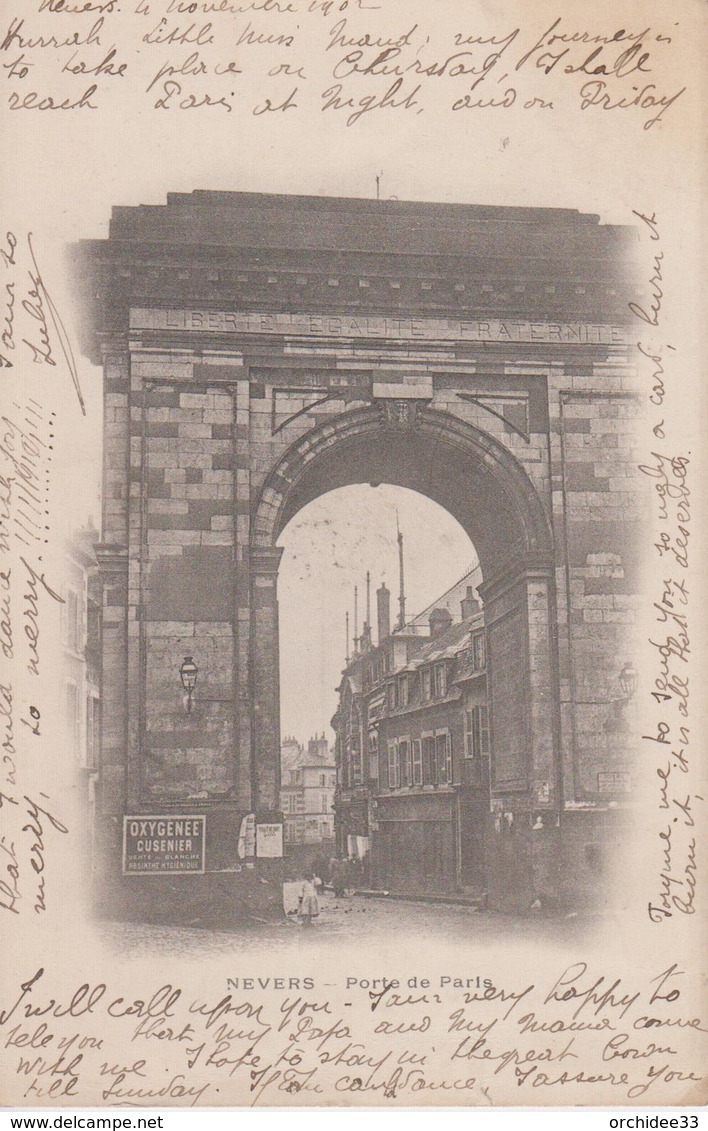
[{"x": 351, "y": 544}]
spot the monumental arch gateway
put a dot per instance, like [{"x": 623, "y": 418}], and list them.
[{"x": 260, "y": 350}]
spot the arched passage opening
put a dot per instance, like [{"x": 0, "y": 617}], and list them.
[
  {"x": 341, "y": 598},
  {"x": 460, "y": 467},
  {"x": 481, "y": 485}
]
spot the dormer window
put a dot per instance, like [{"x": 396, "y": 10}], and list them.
[
  {"x": 426, "y": 683},
  {"x": 478, "y": 650},
  {"x": 440, "y": 679}
]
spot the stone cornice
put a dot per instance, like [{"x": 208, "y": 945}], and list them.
[
  {"x": 381, "y": 258},
  {"x": 111, "y": 558}
]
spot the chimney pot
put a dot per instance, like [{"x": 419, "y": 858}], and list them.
[
  {"x": 469, "y": 604},
  {"x": 383, "y": 607},
  {"x": 440, "y": 621}
]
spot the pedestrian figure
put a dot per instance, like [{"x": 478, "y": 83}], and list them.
[
  {"x": 354, "y": 872},
  {"x": 365, "y": 869},
  {"x": 339, "y": 877},
  {"x": 308, "y": 904}
]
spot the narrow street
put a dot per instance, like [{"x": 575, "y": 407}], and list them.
[{"x": 345, "y": 920}]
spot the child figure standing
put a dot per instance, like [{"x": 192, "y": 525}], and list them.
[{"x": 308, "y": 904}]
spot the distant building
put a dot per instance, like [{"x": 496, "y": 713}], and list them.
[
  {"x": 308, "y": 780},
  {"x": 412, "y": 748},
  {"x": 291, "y": 755},
  {"x": 81, "y": 651}
]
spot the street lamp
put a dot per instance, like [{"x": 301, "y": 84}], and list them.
[
  {"x": 629, "y": 679},
  {"x": 188, "y": 674}
]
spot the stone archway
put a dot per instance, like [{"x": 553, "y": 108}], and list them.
[
  {"x": 481, "y": 484},
  {"x": 489, "y": 355}
]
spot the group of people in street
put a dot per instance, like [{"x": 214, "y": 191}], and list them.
[{"x": 344, "y": 875}]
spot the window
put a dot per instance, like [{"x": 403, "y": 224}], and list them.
[
  {"x": 479, "y": 657},
  {"x": 476, "y": 732},
  {"x": 374, "y": 756},
  {"x": 403, "y": 691},
  {"x": 443, "y": 757},
  {"x": 469, "y": 741},
  {"x": 73, "y": 622},
  {"x": 324, "y": 804},
  {"x": 440, "y": 680},
  {"x": 393, "y": 765},
  {"x": 73, "y": 719},
  {"x": 426, "y": 683},
  {"x": 430, "y": 776},
  {"x": 323, "y": 780},
  {"x": 355, "y": 763},
  {"x": 417, "y": 761},
  {"x": 391, "y": 696},
  {"x": 93, "y": 730},
  {"x": 404, "y": 758}
]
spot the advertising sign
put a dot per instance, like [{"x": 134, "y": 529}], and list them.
[
  {"x": 269, "y": 841},
  {"x": 613, "y": 781},
  {"x": 163, "y": 844}
]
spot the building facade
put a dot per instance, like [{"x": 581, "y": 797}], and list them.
[
  {"x": 80, "y": 628},
  {"x": 413, "y": 750},
  {"x": 308, "y": 780},
  {"x": 260, "y": 350}
]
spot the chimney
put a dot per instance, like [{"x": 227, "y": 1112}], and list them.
[
  {"x": 440, "y": 621},
  {"x": 469, "y": 604},
  {"x": 383, "y": 605}
]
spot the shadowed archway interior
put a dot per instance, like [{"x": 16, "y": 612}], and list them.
[{"x": 463, "y": 470}]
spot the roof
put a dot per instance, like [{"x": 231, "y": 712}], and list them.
[
  {"x": 451, "y": 599},
  {"x": 358, "y": 223},
  {"x": 195, "y": 249},
  {"x": 445, "y": 646}
]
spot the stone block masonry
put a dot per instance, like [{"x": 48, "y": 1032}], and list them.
[
  {"x": 187, "y": 598},
  {"x": 223, "y": 418}
]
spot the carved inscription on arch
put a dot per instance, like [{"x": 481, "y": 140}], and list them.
[{"x": 362, "y": 326}]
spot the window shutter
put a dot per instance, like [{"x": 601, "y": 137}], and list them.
[
  {"x": 483, "y": 730},
  {"x": 417, "y": 762}
]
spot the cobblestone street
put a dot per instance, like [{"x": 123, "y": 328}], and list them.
[{"x": 349, "y": 919}]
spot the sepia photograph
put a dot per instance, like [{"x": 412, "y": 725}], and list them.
[
  {"x": 285, "y": 378},
  {"x": 351, "y": 530}
]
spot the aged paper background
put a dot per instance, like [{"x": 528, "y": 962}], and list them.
[{"x": 95, "y": 118}]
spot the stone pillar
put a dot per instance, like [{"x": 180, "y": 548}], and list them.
[
  {"x": 526, "y": 782},
  {"x": 265, "y": 679},
  {"x": 113, "y": 564},
  {"x": 112, "y": 556},
  {"x": 519, "y": 622}
]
